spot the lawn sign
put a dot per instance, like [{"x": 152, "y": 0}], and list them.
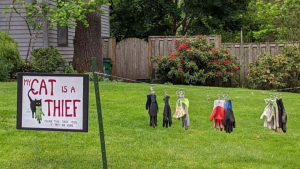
[{"x": 57, "y": 102}]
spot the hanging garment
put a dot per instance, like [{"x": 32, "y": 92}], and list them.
[
  {"x": 270, "y": 119},
  {"x": 271, "y": 114},
  {"x": 218, "y": 114},
  {"x": 179, "y": 112},
  {"x": 276, "y": 115},
  {"x": 282, "y": 115},
  {"x": 229, "y": 120},
  {"x": 185, "y": 119},
  {"x": 279, "y": 113},
  {"x": 148, "y": 104},
  {"x": 153, "y": 111},
  {"x": 167, "y": 117},
  {"x": 152, "y": 107}
]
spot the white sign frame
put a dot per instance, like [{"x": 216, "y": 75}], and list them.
[{"x": 63, "y": 99}]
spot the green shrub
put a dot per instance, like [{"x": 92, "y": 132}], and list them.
[
  {"x": 25, "y": 67},
  {"x": 274, "y": 72},
  {"x": 9, "y": 53},
  {"x": 69, "y": 69},
  {"x": 197, "y": 62},
  {"x": 3, "y": 71},
  {"x": 46, "y": 59}
]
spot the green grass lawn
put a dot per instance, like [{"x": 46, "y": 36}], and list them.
[{"x": 131, "y": 143}]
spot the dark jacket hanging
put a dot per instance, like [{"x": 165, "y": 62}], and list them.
[
  {"x": 152, "y": 107},
  {"x": 167, "y": 117},
  {"x": 282, "y": 115}
]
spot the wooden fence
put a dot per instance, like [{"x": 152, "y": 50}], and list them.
[
  {"x": 162, "y": 45},
  {"x": 131, "y": 57},
  {"x": 248, "y": 52}
]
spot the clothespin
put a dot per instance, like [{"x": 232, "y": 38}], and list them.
[
  {"x": 271, "y": 96},
  {"x": 177, "y": 93},
  {"x": 224, "y": 96},
  {"x": 180, "y": 93},
  {"x": 207, "y": 97},
  {"x": 152, "y": 89},
  {"x": 277, "y": 95},
  {"x": 228, "y": 96},
  {"x": 280, "y": 95},
  {"x": 219, "y": 95}
]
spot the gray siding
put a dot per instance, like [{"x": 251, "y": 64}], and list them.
[
  {"x": 66, "y": 52},
  {"x": 20, "y": 32},
  {"x": 18, "y": 29},
  {"x": 105, "y": 25}
]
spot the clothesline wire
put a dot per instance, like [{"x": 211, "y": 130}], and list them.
[{"x": 207, "y": 90}]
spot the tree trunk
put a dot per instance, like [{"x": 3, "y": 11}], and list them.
[{"x": 88, "y": 44}]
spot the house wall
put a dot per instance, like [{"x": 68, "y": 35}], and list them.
[
  {"x": 66, "y": 52},
  {"x": 18, "y": 29},
  {"x": 20, "y": 33},
  {"x": 105, "y": 25}
]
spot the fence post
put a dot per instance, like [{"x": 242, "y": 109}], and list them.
[
  {"x": 149, "y": 56},
  {"x": 99, "y": 112},
  {"x": 242, "y": 58},
  {"x": 113, "y": 56}
]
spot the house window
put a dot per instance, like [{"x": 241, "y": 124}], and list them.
[{"x": 62, "y": 36}]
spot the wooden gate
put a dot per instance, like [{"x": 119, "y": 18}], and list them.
[{"x": 132, "y": 59}]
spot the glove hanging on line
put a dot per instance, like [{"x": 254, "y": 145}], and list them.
[
  {"x": 229, "y": 120},
  {"x": 218, "y": 114}
]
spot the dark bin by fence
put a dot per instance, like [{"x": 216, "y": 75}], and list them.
[{"x": 107, "y": 65}]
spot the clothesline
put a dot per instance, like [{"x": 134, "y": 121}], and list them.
[
  {"x": 222, "y": 113},
  {"x": 202, "y": 89}
]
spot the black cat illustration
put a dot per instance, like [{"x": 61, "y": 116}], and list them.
[{"x": 34, "y": 104}]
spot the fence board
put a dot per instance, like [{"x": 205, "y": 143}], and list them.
[
  {"x": 113, "y": 57},
  {"x": 149, "y": 55},
  {"x": 132, "y": 59},
  {"x": 144, "y": 60}
]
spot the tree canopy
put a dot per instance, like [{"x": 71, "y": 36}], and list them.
[
  {"x": 142, "y": 18},
  {"x": 272, "y": 20},
  {"x": 260, "y": 20}
]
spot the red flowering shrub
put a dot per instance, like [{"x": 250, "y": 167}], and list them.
[
  {"x": 197, "y": 62},
  {"x": 182, "y": 46}
]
